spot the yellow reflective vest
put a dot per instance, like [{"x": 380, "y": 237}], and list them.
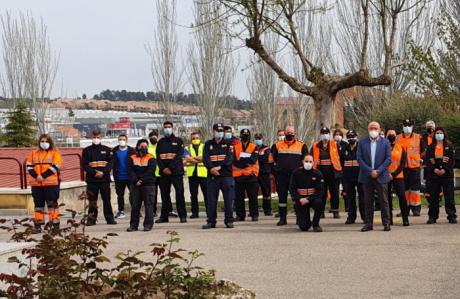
[
  {"x": 202, "y": 172},
  {"x": 153, "y": 151}
]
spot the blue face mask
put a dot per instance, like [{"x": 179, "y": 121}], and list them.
[
  {"x": 407, "y": 130},
  {"x": 439, "y": 137},
  {"x": 168, "y": 131},
  {"x": 218, "y": 135},
  {"x": 259, "y": 142},
  {"x": 228, "y": 135}
]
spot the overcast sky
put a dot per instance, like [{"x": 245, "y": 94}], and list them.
[{"x": 101, "y": 42}]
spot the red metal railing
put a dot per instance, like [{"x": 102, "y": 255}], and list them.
[
  {"x": 21, "y": 168},
  {"x": 79, "y": 167}
]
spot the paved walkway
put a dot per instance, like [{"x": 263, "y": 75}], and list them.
[{"x": 419, "y": 261}]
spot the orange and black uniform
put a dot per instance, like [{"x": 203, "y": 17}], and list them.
[
  {"x": 47, "y": 164},
  {"x": 442, "y": 158},
  {"x": 142, "y": 169},
  {"x": 412, "y": 145},
  {"x": 98, "y": 157},
  {"x": 396, "y": 185},
  {"x": 245, "y": 170},
  {"x": 307, "y": 184},
  {"x": 427, "y": 140},
  {"x": 327, "y": 160},
  {"x": 265, "y": 168},
  {"x": 170, "y": 151},
  {"x": 350, "y": 183},
  {"x": 287, "y": 157}
]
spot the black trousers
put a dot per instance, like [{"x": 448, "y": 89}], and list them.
[
  {"x": 382, "y": 195},
  {"x": 46, "y": 195},
  {"x": 282, "y": 188},
  {"x": 93, "y": 190},
  {"x": 120, "y": 187},
  {"x": 250, "y": 188},
  {"x": 351, "y": 188},
  {"x": 165, "y": 187},
  {"x": 397, "y": 185},
  {"x": 195, "y": 182},
  {"x": 332, "y": 185},
  {"x": 447, "y": 187},
  {"x": 146, "y": 195},
  {"x": 412, "y": 182},
  {"x": 265, "y": 187},
  {"x": 303, "y": 214}
]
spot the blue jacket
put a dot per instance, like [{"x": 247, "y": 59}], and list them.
[{"x": 381, "y": 163}]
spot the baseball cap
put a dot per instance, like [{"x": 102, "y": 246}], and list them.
[
  {"x": 324, "y": 131},
  {"x": 218, "y": 127}
]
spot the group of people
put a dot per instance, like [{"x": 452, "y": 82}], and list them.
[{"x": 370, "y": 170}]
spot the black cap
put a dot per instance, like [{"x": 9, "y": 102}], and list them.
[
  {"x": 217, "y": 127},
  {"x": 245, "y": 132},
  {"x": 351, "y": 134},
  {"x": 227, "y": 128},
  {"x": 324, "y": 131},
  {"x": 258, "y": 136},
  {"x": 408, "y": 122}
]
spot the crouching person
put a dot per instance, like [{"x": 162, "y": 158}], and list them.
[
  {"x": 306, "y": 188},
  {"x": 141, "y": 167}
]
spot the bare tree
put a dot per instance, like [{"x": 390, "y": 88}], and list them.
[
  {"x": 211, "y": 65},
  {"x": 30, "y": 64},
  {"x": 323, "y": 84},
  {"x": 167, "y": 77},
  {"x": 264, "y": 89}
]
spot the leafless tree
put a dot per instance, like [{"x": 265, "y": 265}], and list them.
[
  {"x": 211, "y": 66},
  {"x": 166, "y": 74},
  {"x": 30, "y": 64},
  {"x": 380, "y": 20},
  {"x": 264, "y": 89}
]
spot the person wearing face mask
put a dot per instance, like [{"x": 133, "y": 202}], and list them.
[
  {"x": 306, "y": 188},
  {"x": 427, "y": 139},
  {"x": 245, "y": 170},
  {"x": 287, "y": 156},
  {"x": 228, "y": 135},
  {"x": 153, "y": 141},
  {"x": 170, "y": 150},
  {"x": 326, "y": 157},
  {"x": 280, "y": 135},
  {"x": 197, "y": 173},
  {"x": 97, "y": 160},
  {"x": 141, "y": 167},
  {"x": 350, "y": 179},
  {"x": 218, "y": 158},
  {"x": 121, "y": 154},
  {"x": 265, "y": 166},
  {"x": 412, "y": 145},
  {"x": 341, "y": 146},
  {"x": 43, "y": 165},
  {"x": 398, "y": 160},
  {"x": 374, "y": 158},
  {"x": 440, "y": 162}
]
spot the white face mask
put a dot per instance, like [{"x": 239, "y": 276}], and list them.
[
  {"x": 325, "y": 137},
  {"x": 338, "y": 138},
  {"x": 44, "y": 145},
  {"x": 96, "y": 141},
  {"x": 307, "y": 165},
  {"x": 122, "y": 143},
  {"x": 281, "y": 138},
  {"x": 374, "y": 133},
  {"x": 407, "y": 130}
]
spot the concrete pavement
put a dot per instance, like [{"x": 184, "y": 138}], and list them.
[{"x": 420, "y": 261}]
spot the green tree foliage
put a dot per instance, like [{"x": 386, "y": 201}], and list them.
[
  {"x": 19, "y": 132},
  {"x": 390, "y": 111},
  {"x": 452, "y": 126},
  {"x": 437, "y": 73}
]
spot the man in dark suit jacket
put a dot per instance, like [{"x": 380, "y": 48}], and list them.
[{"x": 374, "y": 157}]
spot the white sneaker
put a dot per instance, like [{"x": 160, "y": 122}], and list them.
[{"x": 120, "y": 215}]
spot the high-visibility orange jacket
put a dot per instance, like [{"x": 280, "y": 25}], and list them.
[
  {"x": 334, "y": 153},
  {"x": 412, "y": 146},
  {"x": 288, "y": 156},
  {"x": 398, "y": 160},
  {"x": 247, "y": 166},
  {"x": 46, "y": 164}
]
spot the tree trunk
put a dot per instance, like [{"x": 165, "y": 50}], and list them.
[{"x": 325, "y": 111}]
